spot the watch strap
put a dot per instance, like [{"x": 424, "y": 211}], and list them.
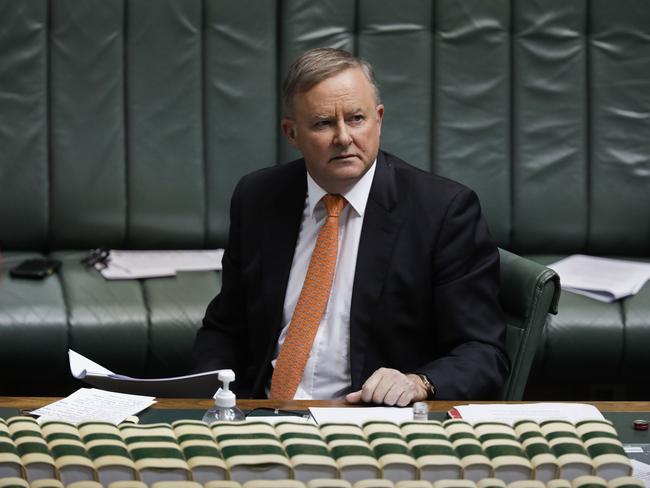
[{"x": 428, "y": 385}]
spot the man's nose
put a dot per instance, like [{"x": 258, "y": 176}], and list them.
[{"x": 342, "y": 136}]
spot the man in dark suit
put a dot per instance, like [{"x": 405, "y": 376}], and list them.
[{"x": 412, "y": 308}]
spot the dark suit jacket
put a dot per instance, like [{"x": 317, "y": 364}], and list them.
[{"x": 426, "y": 285}]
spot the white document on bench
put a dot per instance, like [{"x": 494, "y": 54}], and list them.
[
  {"x": 131, "y": 265},
  {"x": 602, "y": 279},
  {"x": 197, "y": 385},
  {"x": 360, "y": 415},
  {"x": 511, "y": 413}
]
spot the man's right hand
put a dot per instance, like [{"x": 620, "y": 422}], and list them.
[{"x": 390, "y": 387}]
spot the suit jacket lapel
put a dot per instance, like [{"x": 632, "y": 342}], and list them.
[
  {"x": 381, "y": 225},
  {"x": 281, "y": 228}
]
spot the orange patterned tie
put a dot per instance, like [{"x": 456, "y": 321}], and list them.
[{"x": 311, "y": 305}]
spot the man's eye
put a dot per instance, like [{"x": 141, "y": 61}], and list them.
[
  {"x": 322, "y": 124},
  {"x": 356, "y": 119}
]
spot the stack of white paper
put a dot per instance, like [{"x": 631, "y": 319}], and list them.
[
  {"x": 601, "y": 278},
  {"x": 128, "y": 265},
  {"x": 189, "y": 386},
  {"x": 511, "y": 413}
]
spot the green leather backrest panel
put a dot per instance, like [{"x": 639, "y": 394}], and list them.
[
  {"x": 620, "y": 123},
  {"x": 127, "y": 123},
  {"x": 396, "y": 38},
  {"x": 24, "y": 164},
  {"x": 86, "y": 130},
  {"x": 549, "y": 106},
  {"x": 241, "y": 102},
  {"x": 472, "y": 104},
  {"x": 164, "y": 125}
]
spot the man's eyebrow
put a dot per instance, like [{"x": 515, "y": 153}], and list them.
[{"x": 322, "y": 117}]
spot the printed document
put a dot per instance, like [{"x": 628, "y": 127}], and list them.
[
  {"x": 129, "y": 265},
  {"x": 602, "y": 279}
]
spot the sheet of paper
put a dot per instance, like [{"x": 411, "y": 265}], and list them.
[
  {"x": 361, "y": 414},
  {"x": 274, "y": 419},
  {"x": 80, "y": 366},
  {"x": 603, "y": 279},
  {"x": 118, "y": 272},
  {"x": 510, "y": 413},
  {"x": 93, "y": 404},
  {"x": 152, "y": 264},
  {"x": 641, "y": 471},
  {"x": 601, "y": 296}
]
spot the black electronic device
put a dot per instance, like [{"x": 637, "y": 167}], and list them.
[{"x": 35, "y": 269}]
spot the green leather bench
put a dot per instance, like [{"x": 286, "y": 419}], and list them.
[{"x": 126, "y": 124}]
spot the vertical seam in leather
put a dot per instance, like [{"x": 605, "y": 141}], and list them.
[
  {"x": 278, "y": 75},
  {"x": 204, "y": 156},
  {"x": 66, "y": 306},
  {"x": 357, "y": 28},
  {"x": 48, "y": 117},
  {"x": 433, "y": 89},
  {"x": 622, "y": 352},
  {"x": 511, "y": 126},
  {"x": 147, "y": 309},
  {"x": 125, "y": 120},
  {"x": 588, "y": 124}
]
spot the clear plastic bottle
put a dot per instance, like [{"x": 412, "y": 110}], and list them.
[
  {"x": 225, "y": 402},
  {"x": 420, "y": 411}
]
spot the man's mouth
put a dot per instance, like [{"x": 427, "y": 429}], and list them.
[{"x": 344, "y": 156}]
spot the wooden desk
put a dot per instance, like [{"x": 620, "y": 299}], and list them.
[{"x": 30, "y": 403}]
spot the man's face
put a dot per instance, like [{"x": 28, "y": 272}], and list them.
[{"x": 336, "y": 126}]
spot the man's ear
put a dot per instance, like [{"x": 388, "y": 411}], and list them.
[
  {"x": 380, "y": 115},
  {"x": 289, "y": 130}
]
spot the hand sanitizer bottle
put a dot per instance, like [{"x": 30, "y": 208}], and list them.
[{"x": 225, "y": 402}]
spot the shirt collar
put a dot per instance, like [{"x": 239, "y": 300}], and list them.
[{"x": 357, "y": 196}]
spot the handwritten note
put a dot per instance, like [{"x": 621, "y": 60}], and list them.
[{"x": 88, "y": 404}]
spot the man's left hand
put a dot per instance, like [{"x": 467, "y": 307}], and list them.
[{"x": 390, "y": 387}]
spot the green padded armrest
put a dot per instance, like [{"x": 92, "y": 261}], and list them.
[{"x": 529, "y": 292}]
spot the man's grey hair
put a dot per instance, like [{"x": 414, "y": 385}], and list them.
[{"x": 317, "y": 65}]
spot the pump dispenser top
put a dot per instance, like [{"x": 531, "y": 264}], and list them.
[
  {"x": 225, "y": 402},
  {"x": 224, "y": 397}
]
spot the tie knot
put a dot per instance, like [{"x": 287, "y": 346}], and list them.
[{"x": 334, "y": 204}]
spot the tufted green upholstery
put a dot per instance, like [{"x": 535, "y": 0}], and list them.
[{"x": 126, "y": 123}]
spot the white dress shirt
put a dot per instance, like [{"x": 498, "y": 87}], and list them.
[{"x": 327, "y": 372}]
